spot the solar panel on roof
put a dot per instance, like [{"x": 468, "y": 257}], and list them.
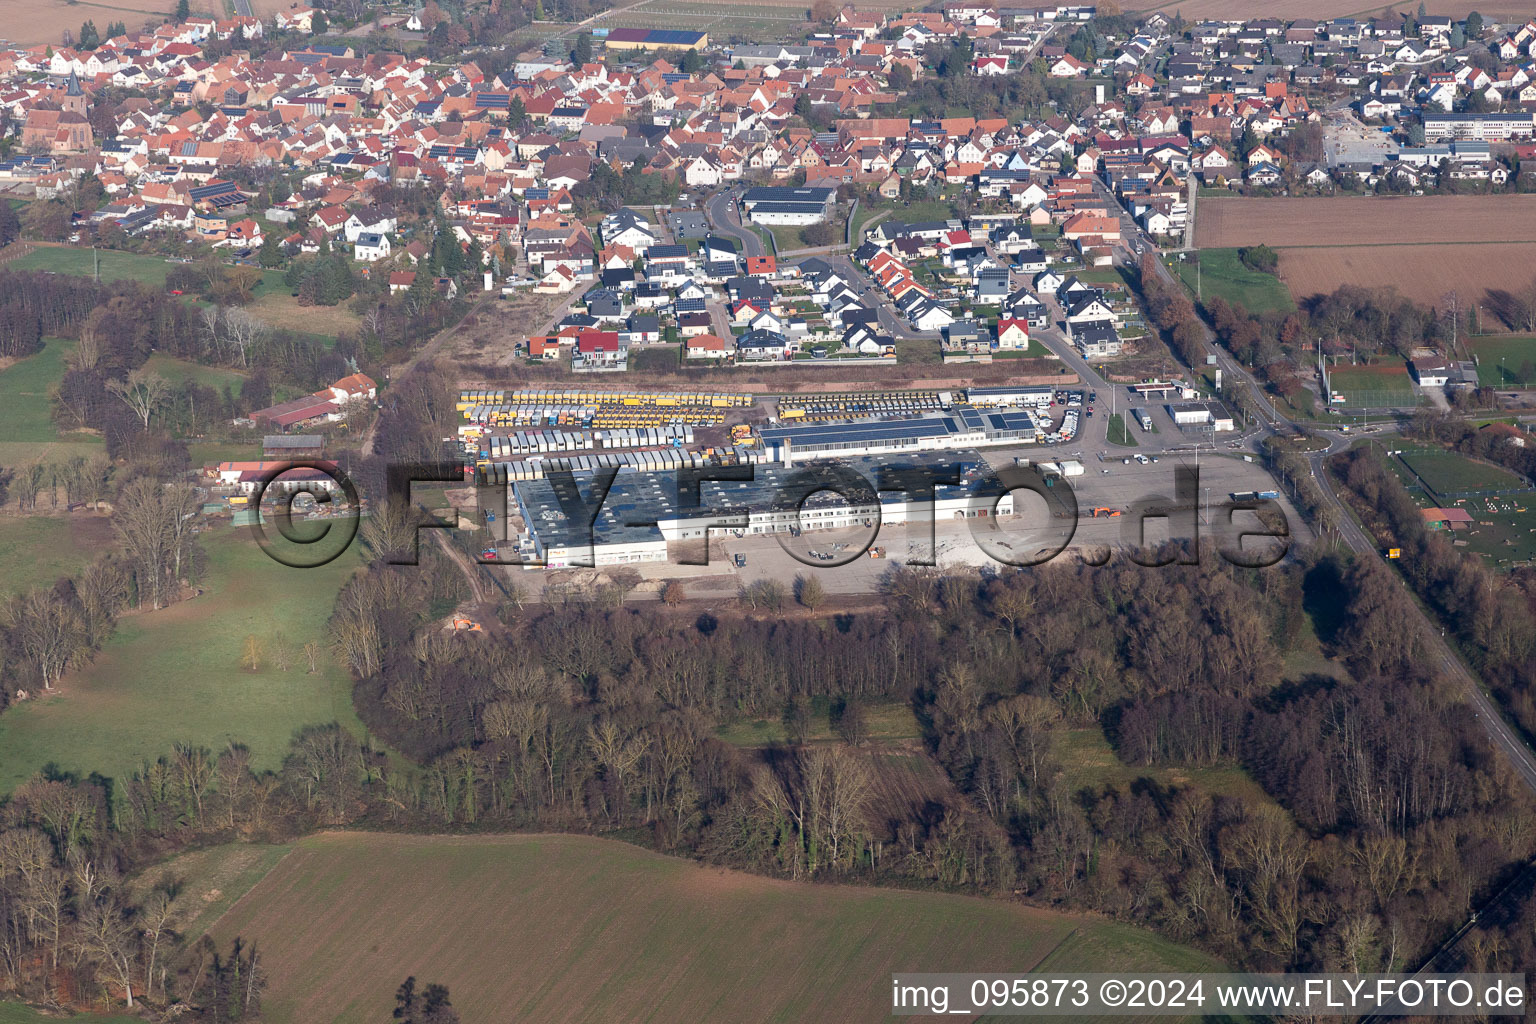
[{"x": 673, "y": 37}]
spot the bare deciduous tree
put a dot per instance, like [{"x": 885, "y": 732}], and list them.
[
  {"x": 50, "y": 631},
  {"x": 143, "y": 392},
  {"x": 243, "y": 331},
  {"x": 144, "y": 527}
]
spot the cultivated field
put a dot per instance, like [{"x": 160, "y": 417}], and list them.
[
  {"x": 1425, "y": 246},
  {"x": 44, "y": 21},
  {"x": 571, "y": 928},
  {"x": 1423, "y": 273},
  {"x": 174, "y": 674},
  {"x": 759, "y": 22},
  {"x": 1365, "y": 220}
]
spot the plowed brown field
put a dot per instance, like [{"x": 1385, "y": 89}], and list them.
[
  {"x": 1423, "y": 273},
  {"x": 1424, "y": 246},
  {"x": 1364, "y": 220},
  {"x": 571, "y": 928}
]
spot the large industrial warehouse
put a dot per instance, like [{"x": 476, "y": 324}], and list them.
[
  {"x": 963, "y": 426},
  {"x": 640, "y": 515}
]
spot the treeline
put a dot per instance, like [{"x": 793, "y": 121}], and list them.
[
  {"x": 1490, "y": 615},
  {"x": 36, "y": 304},
  {"x": 1170, "y": 310},
  {"x": 604, "y": 718},
  {"x": 1386, "y": 816},
  {"x": 1350, "y": 322},
  {"x": 48, "y": 630}
]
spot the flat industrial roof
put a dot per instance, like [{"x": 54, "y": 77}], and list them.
[
  {"x": 874, "y": 430},
  {"x": 640, "y": 499}
]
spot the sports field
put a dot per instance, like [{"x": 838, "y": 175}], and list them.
[
  {"x": 1447, "y": 473},
  {"x": 174, "y": 674},
  {"x": 1221, "y": 274},
  {"x": 1504, "y": 360},
  {"x": 572, "y": 928},
  {"x": 1424, "y": 246},
  {"x": 1373, "y": 387}
]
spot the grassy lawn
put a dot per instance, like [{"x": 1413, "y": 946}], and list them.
[
  {"x": 1119, "y": 434},
  {"x": 888, "y": 722},
  {"x": 917, "y": 350},
  {"x": 1222, "y": 274},
  {"x": 179, "y": 370},
  {"x": 1034, "y": 350},
  {"x": 26, "y": 413},
  {"x": 1446, "y": 472},
  {"x": 282, "y": 312},
  {"x": 588, "y": 929},
  {"x": 786, "y": 237},
  {"x": 27, "y": 433},
  {"x": 1377, "y": 386},
  {"x": 909, "y": 213},
  {"x": 37, "y": 550},
  {"x": 1505, "y": 361},
  {"x": 115, "y": 266},
  {"x": 1089, "y": 762},
  {"x": 272, "y": 301},
  {"x": 172, "y": 675},
  {"x": 1111, "y": 278}
]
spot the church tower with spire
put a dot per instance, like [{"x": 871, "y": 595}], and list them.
[{"x": 74, "y": 97}]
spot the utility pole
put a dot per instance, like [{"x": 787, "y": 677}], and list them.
[{"x": 96, "y": 264}]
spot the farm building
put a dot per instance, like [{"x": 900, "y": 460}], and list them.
[
  {"x": 293, "y": 446},
  {"x": 655, "y": 39}
]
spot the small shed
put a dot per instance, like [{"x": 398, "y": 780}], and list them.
[{"x": 1446, "y": 518}]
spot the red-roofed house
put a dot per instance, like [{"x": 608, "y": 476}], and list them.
[{"x": 1012, "y": 334}]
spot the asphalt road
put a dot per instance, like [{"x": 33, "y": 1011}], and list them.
[{"x": 720, "y": 210}]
